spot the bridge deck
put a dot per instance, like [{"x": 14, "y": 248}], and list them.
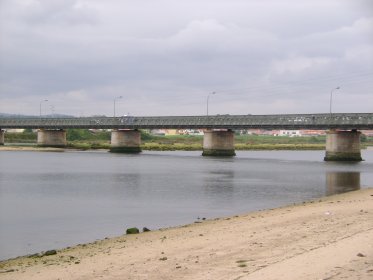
[{"x": 296, "y": 121}]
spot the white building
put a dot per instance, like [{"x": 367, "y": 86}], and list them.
[{"x": 290, "y": 133}]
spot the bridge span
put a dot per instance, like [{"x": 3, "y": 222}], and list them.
[
  {"x": 294, "y": 121},
  {"x": 343, "y": 137}
]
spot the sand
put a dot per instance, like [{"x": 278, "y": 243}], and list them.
[{"x": 331, "y": 238}]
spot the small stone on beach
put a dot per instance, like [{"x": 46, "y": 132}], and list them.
[
  {"x": 50, "y": 253},
  {"x": 133, "y": 230}
]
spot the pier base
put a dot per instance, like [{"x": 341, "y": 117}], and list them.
[
  {"x": 343, "y": 146},
  {"x": 125, "y": 141},
  {"x": 1, "y": 137},
  {"x": 218, "y": 143},
  {"x": 52, "y": 138}
]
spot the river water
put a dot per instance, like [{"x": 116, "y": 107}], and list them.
[{"x": 51, "y": 200}]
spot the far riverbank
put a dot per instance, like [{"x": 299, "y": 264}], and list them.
[
  {"x": 84, "y": 139},
  {"x": 172, "y": 147},
  {"x": 164, "y": 147}
]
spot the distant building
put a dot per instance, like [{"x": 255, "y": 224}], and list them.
[
  {"x": 171, "y": 132},
  {"x": 15, "y": 130},
  {"x": 290, "y": 133},
  {"x": 259, "y": 131},
  {"x": 167, "y": 132},
  {"x": 367, "y": 132},
  {"x": 311, "y": 132},
  {"x": 190, "y": 132},
  {"x": 157, "y": 132}
]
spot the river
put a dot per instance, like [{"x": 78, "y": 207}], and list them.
[{"x": 51, "y": 200}]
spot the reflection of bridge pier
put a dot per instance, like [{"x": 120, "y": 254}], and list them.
[
  {"x": 343, "y": 145},
  {"x": 125, "y": 141},
  {"x": 1, "y": 137},
  {"x": 341, "y": 182},
  {"x": 51, "y": 138}
]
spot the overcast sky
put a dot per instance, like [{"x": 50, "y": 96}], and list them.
[{"x": 165, "y": 56}]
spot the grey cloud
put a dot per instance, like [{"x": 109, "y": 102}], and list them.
[
  {"x": 259, "y": 55},
  {"x": 56, "y": 12}
]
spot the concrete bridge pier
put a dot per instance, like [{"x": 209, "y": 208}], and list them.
[
  {"x": 218, "y": 143},
  {"x": 51, "y": 138},
  {"x": 342, "y": 145},
  {"x": 125, "y": 141},
  {"x": 1, "y": 137}
]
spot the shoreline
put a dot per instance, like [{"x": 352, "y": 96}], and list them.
[
  {"x": 51, "y": 149},
  {"x": 29, "y": 148},
  {"x": 318, "y": 239},
  {"x": 170, "y": 148}
]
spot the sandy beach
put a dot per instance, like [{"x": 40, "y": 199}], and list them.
[{"x": 330, "y": 238}]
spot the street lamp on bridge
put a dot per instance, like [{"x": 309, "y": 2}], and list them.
[
  {"x": 52, "y": 110},
  {"x": 331, "y": 99},
  {"x": 208, "y": 97},
  {"x": 115, "y": 99},
  {"x": 45, "y": 100}
]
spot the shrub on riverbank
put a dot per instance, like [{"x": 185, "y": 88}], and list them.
[
  {"x": 198, "y": 147},
  {"x": 171, "y": 147},
  {"x": 25, "y": 137},
  {"x": 88, "y": 146},
  {"x": 280, "y": 147}
]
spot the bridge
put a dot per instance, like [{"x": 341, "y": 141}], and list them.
[
  {"x": 343, "y": 137},
  {"x": 296, "y": 121}
]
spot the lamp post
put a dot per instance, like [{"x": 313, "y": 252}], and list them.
[
  {"x": 115, "y": 99},
  {"x": 45, "y": 100},
  {"x": 52, "y": 110},
  {"x": 331, "y": 99},
  {"x": 208, "y": 97}
]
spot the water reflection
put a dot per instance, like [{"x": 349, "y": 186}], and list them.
[
  {"x": 219, "y": 182},
  {"x": 125, "y": 185},
  {"x": 341, "y": 182}
]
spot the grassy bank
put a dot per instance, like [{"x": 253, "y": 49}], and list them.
[{"x": 198, "y": 147}]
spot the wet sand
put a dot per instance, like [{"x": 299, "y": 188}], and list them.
[{"x": 330, "y": 238}]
